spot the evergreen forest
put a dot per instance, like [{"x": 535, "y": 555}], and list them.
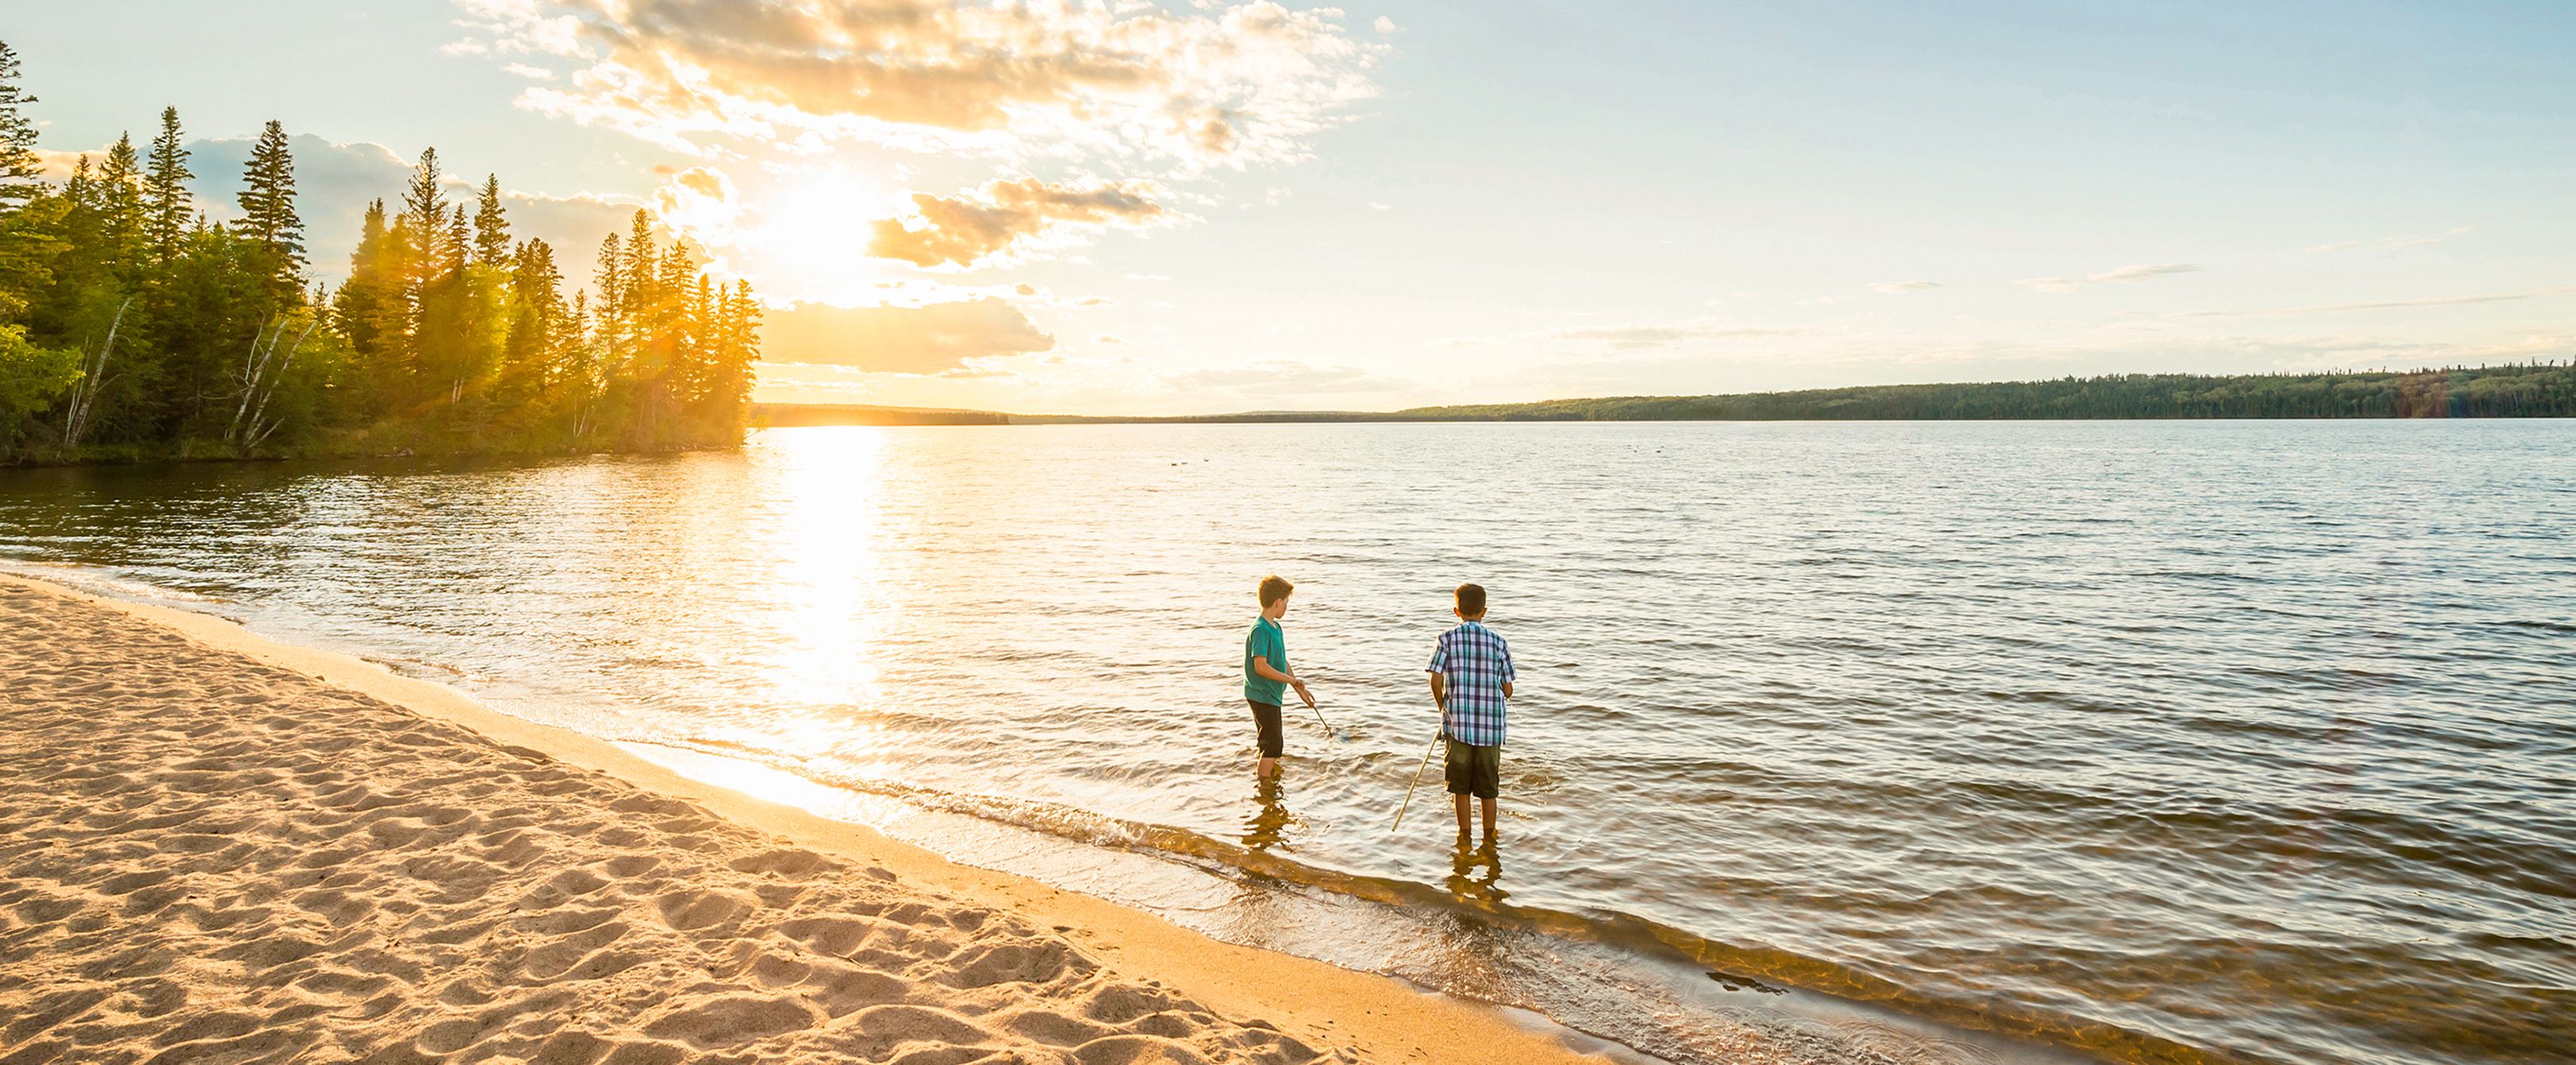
[{"x": 132, "y": 327}]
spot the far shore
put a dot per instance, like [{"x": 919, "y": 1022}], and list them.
[
  {"x": 2532, "y": 390},
  {"x": 225, "y": 847}
]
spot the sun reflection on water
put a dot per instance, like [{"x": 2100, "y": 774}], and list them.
[{"x": 824, "y": 601}]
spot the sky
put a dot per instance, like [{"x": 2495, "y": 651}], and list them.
[{"x": 1132, "y": 208}]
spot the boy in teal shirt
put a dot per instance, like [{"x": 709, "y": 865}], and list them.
[{"x": 1265, "y": 672}]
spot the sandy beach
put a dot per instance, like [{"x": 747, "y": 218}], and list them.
[{"x": 214, "y": 848}]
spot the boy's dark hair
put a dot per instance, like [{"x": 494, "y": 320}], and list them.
[
  {"x": 1273, "y": 589},
  {"x": 1471, "y": 599}
]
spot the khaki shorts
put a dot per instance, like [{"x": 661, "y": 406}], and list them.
[{"x": 1475, "y": 770}]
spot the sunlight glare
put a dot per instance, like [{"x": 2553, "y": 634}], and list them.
[
  {"x": 827, "y": 586},
  {"x": 817, "y": 233}
]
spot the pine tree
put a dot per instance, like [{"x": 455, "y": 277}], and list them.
[
  {"x": 491, "y": 226},
  {"x": 29, "y": 240},
  {"x": 82, "y": 187},
  {"x": 572, "y": 362},
  {"x": 20, "y": 177},
  {"x": 741, "y": 346},
  {"x": 168, "y": 212},
  {"x": 678, "y": 266},
  {"x": 609, "y": 281},
  {"x": 582, "y": 362},
  {"x": 367, "y": 300},
  {"x": 424, "y": 221},
  {"x": 457, "y": 244},
  {"x": 639, "y": 302},
  {"x": 692, "y": 327},
  {"x": 536, "y": 320},
  {"x": 267, "y": 201},
  {"x": 120, "y": 188},
  {"x": 425, "y": 200}
]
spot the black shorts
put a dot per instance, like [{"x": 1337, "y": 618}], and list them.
[
  {"x": 1265, "y": 719},
  {"x": 1475, "y": 770}
]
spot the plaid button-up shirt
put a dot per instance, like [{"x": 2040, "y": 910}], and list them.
[{"x": 1478, "y": 663}]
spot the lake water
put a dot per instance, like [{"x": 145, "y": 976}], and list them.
[{"x": 1853, "y": 742}]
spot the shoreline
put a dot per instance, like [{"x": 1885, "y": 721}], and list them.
[
  {"x": 94, "y": 457},
  {"x": 1361, "y": 1016}
]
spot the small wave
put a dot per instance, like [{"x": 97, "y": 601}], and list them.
[
  {"x": 2540, "y": 626},
  {"x": 1735, "y": 967},
  {"x": 101, "y": 581}
]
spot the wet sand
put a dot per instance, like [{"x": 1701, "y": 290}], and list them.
[{"x": 217, "y": 848}]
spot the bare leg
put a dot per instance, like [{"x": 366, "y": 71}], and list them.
[
  {"x": 1492, "y": 808},
  {"x": 1465, "y": 824},
  {"x": 1269, "y": 768}
]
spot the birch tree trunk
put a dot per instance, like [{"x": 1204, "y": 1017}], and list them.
[
  {"x": 85, "y": 394},
  {"x": 276, "y": 376}
]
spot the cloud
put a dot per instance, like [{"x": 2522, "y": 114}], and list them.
[
  {"x": 1639, "y": 337},
  {"x": 2379, "y": 305},
  {"x": 2121, "y": 276},
  {"x": 2394, "y": 243},
  {"x": 1224, "y": 86},
  {"x": 522, "y": 27},
  {"x": 934, "y": 339},
  {"x": 702, "y": 202},
  {"x": 333, "y": 183},
  {"x": 53, "y": 165},
  {"x": 967, "y": 229},
  {"x": 1897, "y": 287}
]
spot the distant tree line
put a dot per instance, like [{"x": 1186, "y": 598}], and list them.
[
  {"x": 788, "y": 415},
  {"x": 2537, "y": 390},
  {"x": 132, "y": 327}
]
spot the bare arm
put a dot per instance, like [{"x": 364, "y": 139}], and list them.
[
  {"x": 1507, "y": 689},
  {"x": 1261, "y": 667},
  {"x": 1440, "y": 690}
]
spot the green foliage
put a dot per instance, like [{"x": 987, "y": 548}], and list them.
[
  {"x": 30, "y": 238},
  {"x": 167, "y": 207},
  {"x": 19, "y": 180},
  {"x": 31, "y": 378},
  {"x": 120, "y": 209},
  {"x": 131, "y": 329},
  {"x": 267, "y": 201},
  {"x": 491, "y": 225}
]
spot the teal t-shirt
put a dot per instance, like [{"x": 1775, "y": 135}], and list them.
[{"x": 1266, "y": 641}]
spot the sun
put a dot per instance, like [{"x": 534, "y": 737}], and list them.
[{"x": 810, "y": 239}]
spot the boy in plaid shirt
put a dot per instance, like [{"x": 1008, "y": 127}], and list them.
[{"x": 1471, "y": 677}]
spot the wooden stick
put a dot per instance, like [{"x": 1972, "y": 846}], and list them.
[{"x": 1417, "y": 779}]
